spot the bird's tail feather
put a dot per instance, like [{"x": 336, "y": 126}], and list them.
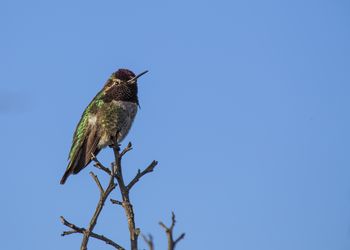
[
  {"x": 77, "y": 163},
  {"x": 65, "y": 176},
  {"x": 83, "y": 157}
]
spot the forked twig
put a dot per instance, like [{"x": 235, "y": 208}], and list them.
[
  {"x": 99, "y": 165},
  {"x": 93, "y": 235},
  {"x": 104, "y": 193},
  {"x": 115, "y": 173},
  {"x": 139, "y": 174},
  {"x": 103, "y": 196},
  {"x": 149, "y": 240},
  {"x": 169, "y": 232},
  {"x": 125, "y": 190}
]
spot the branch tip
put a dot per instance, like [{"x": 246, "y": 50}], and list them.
[
  {"x": 116, "y": 202},
  {"x": 98, "y": 183},
  {"x": 139, "y": 174},
  {"x": 149, "y": 241},
  {"x": 169, "y": 232}
]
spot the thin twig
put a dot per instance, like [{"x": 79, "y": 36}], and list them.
[
  {"x": 139, "y": 174},
  {"x": 127, "y": 149},
  {"x": 103, "y": 197},
  {"x": 149, "y": 240},
  {"x": 182, "y": 236},
  {"x": 88, "y": 232},
  {"x": 98, "y": 183},
  {"x": 99, "y": 165},
  {"x": 169, "y": 232},
  {"x": 81, "y": 230},
  {"x": 116, "y": 202},
  {"x": 68, "y": 232}
]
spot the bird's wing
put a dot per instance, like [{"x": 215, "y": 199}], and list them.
[{"x": 85, "y": 140}]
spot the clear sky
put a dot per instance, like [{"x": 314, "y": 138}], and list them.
[{"x": 246, "y": 108}]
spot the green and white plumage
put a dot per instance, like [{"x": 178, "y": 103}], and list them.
[{"x": 109, "y": 115}]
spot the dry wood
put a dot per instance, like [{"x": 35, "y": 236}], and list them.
[
  {"x": 81, "y": 230},
  {"x": 125, "y": 193},
  {"x": 115, "y": 172},
  {"x": 169, "y": 232}
]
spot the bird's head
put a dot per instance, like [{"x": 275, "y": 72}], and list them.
[
  {"x": 122, "y": 86},
  {"x": 126, "y": 76},
  {"x": 123, "y": 75}
]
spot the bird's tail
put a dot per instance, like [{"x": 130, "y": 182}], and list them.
[
  {"x": 65, "y": 176},
  {"x": 82, "y": 156},
  {"x": 76, "y": 165}
]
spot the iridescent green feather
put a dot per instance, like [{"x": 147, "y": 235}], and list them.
[{"x": 81, "y": 129}]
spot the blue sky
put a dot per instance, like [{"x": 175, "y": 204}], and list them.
[{"x": 246, "y": 108}]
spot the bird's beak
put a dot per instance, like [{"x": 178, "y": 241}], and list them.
[{"x": 139, "y": 75}]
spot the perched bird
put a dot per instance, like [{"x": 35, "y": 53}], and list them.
[{"x": 108, "y": 116}]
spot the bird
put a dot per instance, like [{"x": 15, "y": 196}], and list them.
[{"x": 107, "y": 118}]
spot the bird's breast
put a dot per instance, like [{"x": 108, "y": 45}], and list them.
[{"x": 117, "y": 117}]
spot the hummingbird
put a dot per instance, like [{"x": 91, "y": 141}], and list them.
[{"x": 107, "y": 118}]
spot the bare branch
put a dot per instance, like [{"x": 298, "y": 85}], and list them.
[
  {"x": 98, "y": 210},
  {"x": 116, "y": 172},
  {"x": 99, "y": 165},
  {"x": 68, "y": 233},
  {"x": 81, "y": 230},
  {"x": 149, "y": 240},
  {"x": 182, "y": 236},
  {"x": 169, "y": 232},
  {"x": 127, "y": 149},
  {"x": 98, "y": 183},
  {"x": 71, "y": 225},
  {"x": 116, "y": 202},
  {"x": 124, "y": 191},
  {"x": 139, "y": 174},
  {"x": 103, "y": 196}
]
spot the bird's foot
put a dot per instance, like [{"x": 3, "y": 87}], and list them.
[
  {"x": 115, "y": 143},
  {"x": 116, "y": 146}
]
